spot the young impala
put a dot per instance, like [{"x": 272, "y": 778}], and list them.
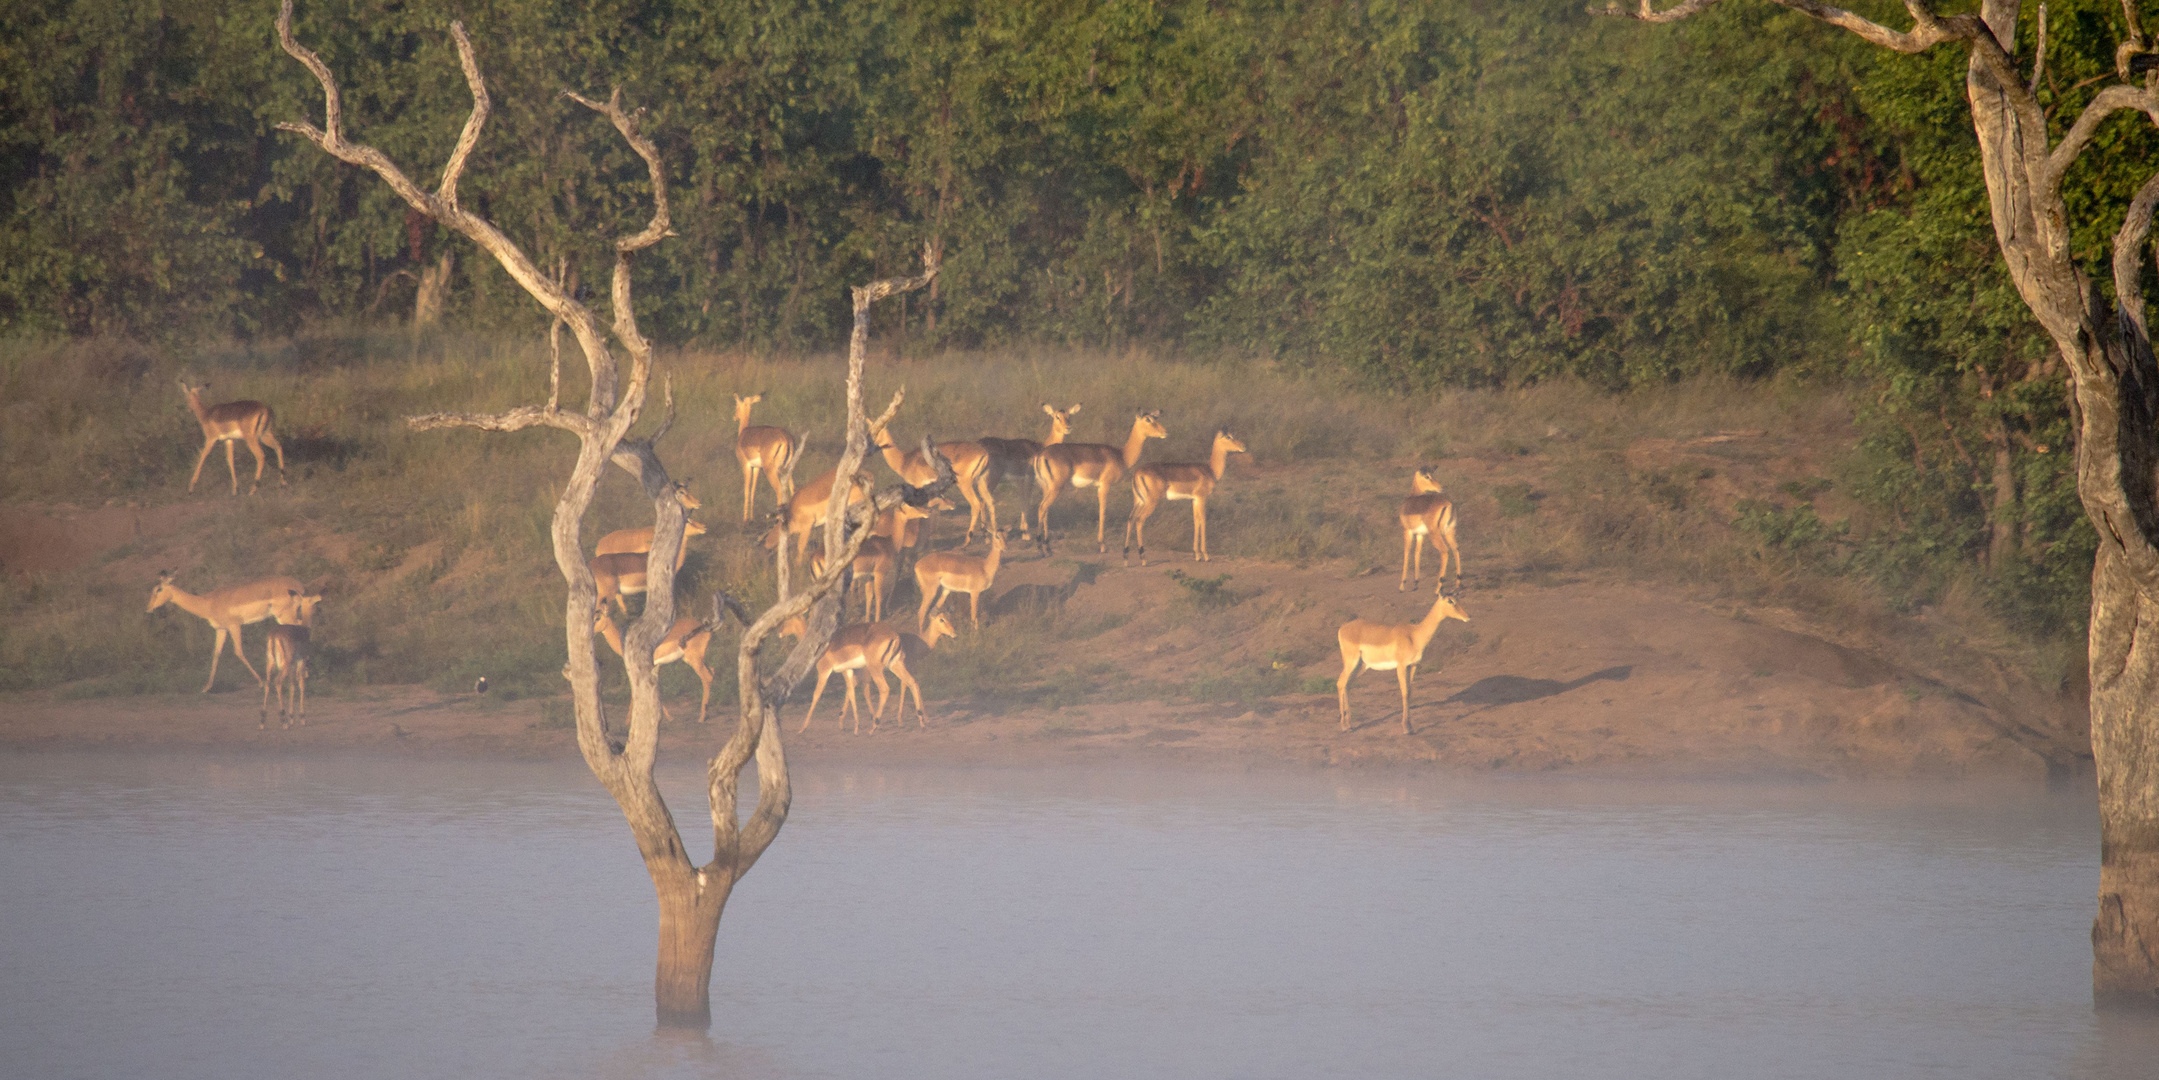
[
  {"x": 763, "y": 449},
  {"x": 1153, "y": 485},
  {"x": 1092, "y": 465},
  {"x": 805, "y": 510},
  {"x": 284, "y": 664},
  {"x": 1395, "y": 647},
  {"x": 234, "y": 421},
  {"x": 1428, "y": 513}
]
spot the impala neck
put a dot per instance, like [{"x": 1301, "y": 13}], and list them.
[
  {"x": 612, "y": 633},
  {"x": 1422, "y": 634},
  {"x": 989, "y": 565},
  {"x": 894, "y": 456},
  {"x": 742, "y": 418},
  {"x": 1221, "y": 459},
  {"x": 194, "y": 402},
  {"x": 1135, "y": 444}
]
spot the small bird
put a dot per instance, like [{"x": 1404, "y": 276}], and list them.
[{"x": 481, "y": 686}]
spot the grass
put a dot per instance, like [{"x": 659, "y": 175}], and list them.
[{"x": 432, "y": 547}]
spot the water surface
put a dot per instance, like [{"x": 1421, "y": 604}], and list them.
[{"x": 182, "y": 916}]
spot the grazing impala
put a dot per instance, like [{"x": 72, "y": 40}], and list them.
[
  {"x": 806, "y": 510},
  {"x": 284, "y": 663},
  {"x": 873, "y": 649},
  {"x": 1092, "y": 465},
  {"x": 1428, "y": 513},
  {"x": 686, "y": 641},
  {"x": 228, "y": 610},
  {"x": 939, "y": 574},
  {"x": 639, "y": 541},
  {"x": 234, "y": 421},
  {"x": 1016, "y": 457},
  {"x": 760, "y": 448},
  {"x": 1383, "y": 647},
  {"x": 968, "y": 462},
  {"x": 1153, "y": 485}
]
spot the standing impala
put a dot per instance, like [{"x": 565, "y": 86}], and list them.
[
  {"x": 228, "y": 610},
  {"x": 636, "y": 541},
  {"x": 1396, "y": 647},
  {"x": 284, "y": 664},
  {"x": 686, "y": 641},
  {"x": 806, "y": 509},
  {"x": 1092, "y": 465},
  {"x": 939, "y": 574},
  {"x": 761, "y": 448},
  {"x": 872, "y": 649},
  {"x": 1152, "y": 485},
  {"x": 1016, "y": 457},
  {"x": 968, "y": 463},
  {"x": 234, "y": 421},
  {"x": 876, "y": 565},
  {"x": 1428, "y": 513}
]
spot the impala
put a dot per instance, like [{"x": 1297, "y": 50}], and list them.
[
  {"x": 284, "y": 664},
  {"x": 686, "y": 641},
  {"x": 1016, "y": 457},
  {"x": 1383, "y": 647},
  {"x": 619, "y": 575},
  {"x": 1152, "y": 485},
  {"x": 873, "y": 649},
  {"x": 806, "y": 509},
  {"x": 231, "y": 422},
  {"x": 639, "y": 541},
  {"x": 1092, "y": 465},
  {"x": 1428, "y": 513},
  {"x": 876, "y": 565},
  {"x": 227, "y": 610},
  {"x": 939, "y": 574},
  {"x": 760, "y": 448},
  {"x": 968, "y": 462}
]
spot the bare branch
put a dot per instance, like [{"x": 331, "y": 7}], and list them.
[
  {"x": 482, "y": 105},
  {"x": 517, "y": 419},
  {"x": 2109, "y": 101},
  {"x": 1928, "y": 29},
  {"x": 2039, "y": 61},
  {"x": 2129, "y": 255}
]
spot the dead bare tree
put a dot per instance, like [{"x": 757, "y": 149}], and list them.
[
  {"x": 2114, "y": 405},
  {"x": 691, "y": 897}
]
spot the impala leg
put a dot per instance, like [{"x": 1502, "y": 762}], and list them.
[
  {"x": 989, "y": 499},
  {"x": 1101, "y": 518},
  {"x": 1199, "y": 531},
  {"x": 884, "y": 695},
  {"x": 232, "y": 468},
  {"x": 704, "y": 675},
  {"x": 270, "y": 437},
  {"x": 199, "y": 459},
  {"x": 823, "y": 677},
  {"x": 264, "y": 721},
  {"x": 1455, "y": 550},
  {"x": 907, "y": 682},
  {"x": 241, "y": 653},
  {"x": 1401, "y": 678},
  {"x": 1341, "y": 686},
  {"x": 300, "y": 671},
  {"x": 749, "y": 490},
  {"x": 254, "y": 446},
  {"x": 974, "y": 610},
  {"x": 851, "y": 706}
]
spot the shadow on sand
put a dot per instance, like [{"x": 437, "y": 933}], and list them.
[{"x": 1513, "y": 689}]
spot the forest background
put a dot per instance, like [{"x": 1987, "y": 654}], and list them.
[{"x": 1402, "y": 198}]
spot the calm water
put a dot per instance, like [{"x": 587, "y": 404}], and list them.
[{"x": 175, "y": 917}]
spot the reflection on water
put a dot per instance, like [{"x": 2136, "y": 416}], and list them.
[{"x": 178, "y": 917}]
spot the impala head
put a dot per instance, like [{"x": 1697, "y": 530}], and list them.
[
  {"x": 1450, "y": 607},
  {"x": 306, "y": 605},
  {"x": 938, "y": 503},
  {"x": 1421, "y": 482},
  {"x": 881, "y": 439},
  {"x": 163, "y": 592},
  {"x": 1060, "y": 422},
  {"x": 794, "y": 628},
  {"x": 683, "y": 496},
  {"x": 997, "y": 539},
  {"x": 777, "y": 534},
  {"x": 692, "y": 528},
  {"x": 1223, "y": 440},
  {"x": 743, "y": 405},
  {"x": 909, "y": 511},
  {"x": 940, "y": 627},
  {"x": 1150, "y": 424}
]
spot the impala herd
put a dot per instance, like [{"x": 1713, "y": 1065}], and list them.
[{"x": 870, "y": 647}]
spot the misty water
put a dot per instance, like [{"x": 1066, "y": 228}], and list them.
[{"x": 177, "y": 916}]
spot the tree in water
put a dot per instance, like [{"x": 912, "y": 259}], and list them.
[
  {"x": 691, "y": 897},
  {"x": 2105, "y": 344}
]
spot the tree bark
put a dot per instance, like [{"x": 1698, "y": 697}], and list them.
[
  {"x": 2002, "y": 517},
  {"x": 2114, "y": 402},
  {"x": 433, "y": 293}
]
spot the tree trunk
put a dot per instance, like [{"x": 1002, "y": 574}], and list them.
[
  {"x": 690, "y": 909},
  {"x": 434, "y": 292},
  {"x": 2125, "y": 717},
  {"x": 2002, "y": 518}
]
